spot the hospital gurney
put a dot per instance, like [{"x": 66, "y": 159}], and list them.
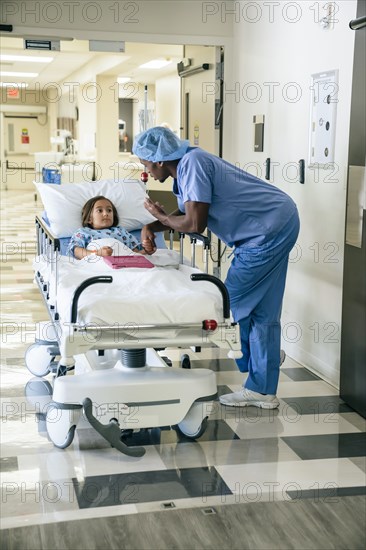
[{"x": 124, "y": 383}]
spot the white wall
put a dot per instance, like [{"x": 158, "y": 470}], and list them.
[
  {"x": 282, "y": 52},
  {"x": 167, "y": 101},
  {"x": 107, "y": 142},
  {"x": 87, "y": 126}
]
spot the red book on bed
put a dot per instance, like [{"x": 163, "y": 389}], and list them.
[{"x": 117, "y": 262}]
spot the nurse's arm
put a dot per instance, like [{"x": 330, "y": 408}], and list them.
[
  {"x": 193, "y": 221},
  {"x": 158, "y": 225},
  {"x": 149, "y": 230}
]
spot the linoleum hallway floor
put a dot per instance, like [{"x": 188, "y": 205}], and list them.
[{"x": 256, "y": 479}]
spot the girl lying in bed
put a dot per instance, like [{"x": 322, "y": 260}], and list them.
[{"x": 100, "y": 221}]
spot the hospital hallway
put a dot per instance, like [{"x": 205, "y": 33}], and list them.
[{"x": 291, "y": 478}]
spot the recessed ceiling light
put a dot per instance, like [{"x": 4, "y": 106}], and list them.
[
  {"x": 14, "y": 73},
  {"x": 155, "y": 64},
  {"x": 14, "y": 84},
  {"x": 25, "y": 58},
  {"x": 123, "y": 79}
]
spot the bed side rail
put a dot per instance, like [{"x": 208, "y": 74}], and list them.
[
  {"x": 45, "y": 237},
  {"x": 220, "y": 285},
  {"x": 81, "y": 288},
  {"x": 193, "y": 237},
  {"x": 49, "y": 249},
  {"x": 108, "y": 279}
]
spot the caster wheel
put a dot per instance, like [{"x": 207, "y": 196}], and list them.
[
  {"x": 187, "y": 432},
  {"x": 185, "y": 361},
  {"x": 194, "y": 423},
  {"x": 61, "y": 424},
  {"x": 69, "y": 438},
  {"x": 38, "y": 360}
]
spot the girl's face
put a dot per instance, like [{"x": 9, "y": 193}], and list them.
[{"x": 102, "y": 215}]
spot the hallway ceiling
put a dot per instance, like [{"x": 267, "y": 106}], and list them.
[{"x": 77, "y": 64}]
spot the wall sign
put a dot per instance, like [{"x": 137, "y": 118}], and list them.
[
  {"x": 323, "y": 111},
  {"x": 12, "y": 92},
  {"x": 25, "y": 136},
  {"x": 196, "y": 134}
]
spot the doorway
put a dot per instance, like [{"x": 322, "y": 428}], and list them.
[
  {"x": 125, "y": 124},
  {"x": 74, "y": 63}
]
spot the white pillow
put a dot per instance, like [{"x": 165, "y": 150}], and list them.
[{"x": 63, "y": 203}]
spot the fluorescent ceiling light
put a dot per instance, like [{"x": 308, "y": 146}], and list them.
[
  {"x": 155, "y": 64},
  {"x": 13, "y": 73},
  {"x": 123, "y": 79},
  {"x": 25, "y": 58},
  {"x": 14, "y": 84}
]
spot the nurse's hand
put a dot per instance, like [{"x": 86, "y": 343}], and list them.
[
  {"x": 148, "y": 234},
  {"x": 155, "y": 208},
  {"x": 148, "y": 246}
]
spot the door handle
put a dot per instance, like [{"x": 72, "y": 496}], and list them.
[{"x": 302, "y": 171}]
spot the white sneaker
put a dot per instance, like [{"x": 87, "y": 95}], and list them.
[
  {"x": 282, "y": 356},
  {"x": 246, "y": 398}
]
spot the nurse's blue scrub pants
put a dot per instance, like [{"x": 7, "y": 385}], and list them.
[{"x": 256, "y": 284}]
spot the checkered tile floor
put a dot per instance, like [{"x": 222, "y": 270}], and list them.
[{"x": 313, "y": 446}]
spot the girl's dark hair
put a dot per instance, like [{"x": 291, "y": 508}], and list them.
[{"x": 88, "y": 209}]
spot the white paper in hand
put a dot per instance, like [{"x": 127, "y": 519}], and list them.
[{"x": 119, "y": 249}]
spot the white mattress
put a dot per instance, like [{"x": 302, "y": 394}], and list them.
[{"x": 142, "y": 296}]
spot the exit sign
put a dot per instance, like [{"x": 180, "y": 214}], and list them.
[{"x": 12, "y": 93}]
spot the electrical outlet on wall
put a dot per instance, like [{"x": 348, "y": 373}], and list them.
[{"x": 323, "y": 111}]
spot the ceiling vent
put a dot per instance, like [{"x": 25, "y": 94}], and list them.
[{"x": 44, "y": 45}]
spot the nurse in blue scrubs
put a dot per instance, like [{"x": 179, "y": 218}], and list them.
[{"x": 258, "y": 220}]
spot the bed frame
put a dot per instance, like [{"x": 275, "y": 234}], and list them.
[{"x": 127, "y": 384}]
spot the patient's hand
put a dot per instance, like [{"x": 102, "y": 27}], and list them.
[
  {"x": 105, "y": 251},
  {"x": 81, "y": 253}
]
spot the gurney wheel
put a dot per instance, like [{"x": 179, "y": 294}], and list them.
[
  {"x": 69, "y": 438},
  {"x": 61, "y": 424},
  {"x": 187, "y": 433},
  {"x": 38, "y": 360}
]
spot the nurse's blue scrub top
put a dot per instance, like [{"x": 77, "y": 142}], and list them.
[{"x": 243, "y": 208}]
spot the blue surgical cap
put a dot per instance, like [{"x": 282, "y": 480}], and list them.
[{"x": 159, "y": 144}]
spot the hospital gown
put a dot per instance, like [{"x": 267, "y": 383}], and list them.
[{"x": 84, "y": 235}]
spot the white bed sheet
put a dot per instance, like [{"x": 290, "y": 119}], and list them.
[{"x": 140, "y": 296}]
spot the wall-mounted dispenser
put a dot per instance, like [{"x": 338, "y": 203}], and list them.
[{"x": 324, "y": 99}]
